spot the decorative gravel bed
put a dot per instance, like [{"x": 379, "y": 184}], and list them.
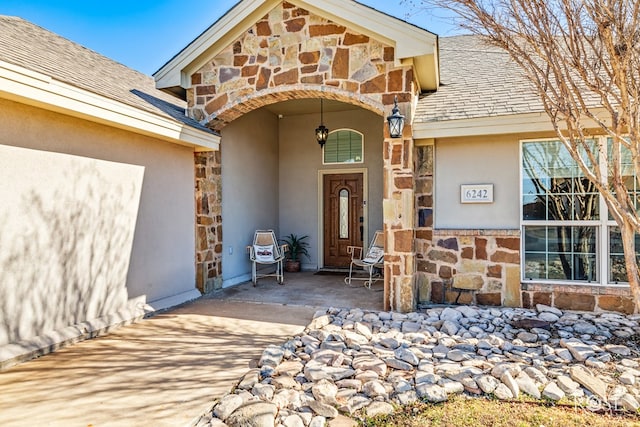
[{"x": 355, "y": 362}]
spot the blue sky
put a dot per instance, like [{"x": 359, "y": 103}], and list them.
[{"x": 144, "y": 34}]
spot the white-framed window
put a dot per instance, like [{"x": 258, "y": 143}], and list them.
[
  {"x": 567, "y": 232},
  {"x": 343, "y": 146},
  {"x": 617, "y": 271}
]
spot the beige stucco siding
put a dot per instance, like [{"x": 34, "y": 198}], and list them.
[
  {"x": 249, "y": 188},
  {"x": 93, "y": 217},
  {"x": 270, "y": 169},
  {"x": 301, "y": 161},
  {"x": 477, "y": 160}
]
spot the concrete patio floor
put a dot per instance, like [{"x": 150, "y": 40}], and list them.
[
  {"x": 309, "y": 289},
  {"x": 167, "y": 369}
]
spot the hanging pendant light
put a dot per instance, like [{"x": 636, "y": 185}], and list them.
[
  {"x": 395, "y": 120},
  {"x": 321, "y": 131}
]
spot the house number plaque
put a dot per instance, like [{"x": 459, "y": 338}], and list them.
[{"x": 476, "y": 193}]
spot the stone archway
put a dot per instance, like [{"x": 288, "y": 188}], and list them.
[
  {"x": 292, "y": 54},
  {"x": 291, "y": 50},
  {"x": 240, "y": 106}
]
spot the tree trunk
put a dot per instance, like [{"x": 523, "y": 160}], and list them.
[{"x": 627, "y": 234}]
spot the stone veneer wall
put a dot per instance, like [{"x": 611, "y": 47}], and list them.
[
  {"x": 489, "y": 262},
  {"x": 486, "y": 261},
  {"x": 578, "y": 297},
  {"x": 292, "y": 53},
  {"x": 399, "y": 224},
  {"x": 208, "y": 193},
  {"x": 424, "y": 219}
]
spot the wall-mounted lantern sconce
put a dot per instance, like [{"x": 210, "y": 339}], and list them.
[
  {"x": 322, "y": 133},
  {"x": 395, "y": 121}
]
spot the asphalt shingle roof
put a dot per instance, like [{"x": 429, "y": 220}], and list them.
[
  {"x": 27, "y": 45},
  {"x": 477, "y": 80}
]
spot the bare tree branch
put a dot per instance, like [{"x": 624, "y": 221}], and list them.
[{"x": 582, "y": 58}]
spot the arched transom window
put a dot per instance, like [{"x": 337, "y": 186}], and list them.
[{"x": 344, "y": 146}]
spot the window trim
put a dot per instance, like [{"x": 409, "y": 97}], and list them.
[
  {"x": 345, "y": 163},
  {"x": 602, "y": 226}
]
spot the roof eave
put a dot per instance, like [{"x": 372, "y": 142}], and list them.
[
  {"x": 175, "y": 73},
  {"x": 29, "y": 87},
  {"x": 427, "y": 71},
  {"x": 493, "y": 125}
]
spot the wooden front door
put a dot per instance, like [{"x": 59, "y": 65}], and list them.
[{"x": 343, "y": 217}]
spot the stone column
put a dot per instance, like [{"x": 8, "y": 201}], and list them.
[
  {"x": 208, "y": 195},
  {"x": 426, "y": 270},
  {"x": 399, "y": 213}
]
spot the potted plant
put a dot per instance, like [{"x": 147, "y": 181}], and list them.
[{"x": 297, "y": 248}]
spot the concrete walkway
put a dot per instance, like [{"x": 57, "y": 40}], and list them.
[{"x": 168, "y": 369}]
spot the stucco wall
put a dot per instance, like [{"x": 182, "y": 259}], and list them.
[
  {"x": 481, "y": 255},
  {"x": 477, "y": 160},
  {"x": 93, "y": 217},
  {"x": 301, "y": 159},
  {"x": 249, "y": 188},
  {"x": 270, "y": 180}
]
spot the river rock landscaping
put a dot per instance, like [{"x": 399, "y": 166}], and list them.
[{"x": 357, "y": 362}]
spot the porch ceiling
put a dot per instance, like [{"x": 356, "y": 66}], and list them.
[{"x": 307, "y": 106}]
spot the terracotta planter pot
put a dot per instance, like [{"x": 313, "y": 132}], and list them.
[{"x": 291, "y": 266}]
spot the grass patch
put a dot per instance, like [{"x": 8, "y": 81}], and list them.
[{"x": 480, "y": 412}]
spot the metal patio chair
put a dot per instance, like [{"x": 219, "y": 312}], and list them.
[
  {"x": 266, "y": 251},
  {"x": 372, "y": 262}
]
